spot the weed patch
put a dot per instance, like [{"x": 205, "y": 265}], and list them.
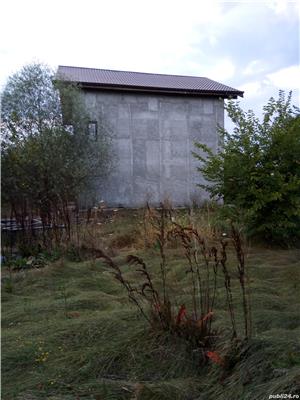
[{"x": 100, "y": 347}]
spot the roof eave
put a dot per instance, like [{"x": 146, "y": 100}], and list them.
[{"x": 147, "y": 89}]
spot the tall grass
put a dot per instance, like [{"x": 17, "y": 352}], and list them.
[
  {"x": 101, "y": 346},
  {"x": 206, "y": 263}
]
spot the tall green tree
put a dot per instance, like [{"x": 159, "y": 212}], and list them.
[
  {"x": 257, "y": 168},
  {"x": 47, "y": 161}
]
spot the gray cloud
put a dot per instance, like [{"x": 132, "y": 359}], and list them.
[
  {"x": 238, "y": 43},
  {"x": 251, "y": 32}
]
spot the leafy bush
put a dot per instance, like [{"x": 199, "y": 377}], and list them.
[
  {"x": 47, "y": 164},
  {"x": 257, "y": 168}
]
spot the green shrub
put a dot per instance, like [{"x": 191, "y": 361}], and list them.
[{"x": 257, "y": 169}]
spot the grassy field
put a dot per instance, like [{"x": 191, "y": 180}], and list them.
[{"x": 70, "y": 332}]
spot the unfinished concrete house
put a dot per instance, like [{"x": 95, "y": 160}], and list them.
[{"x": 155, "y": 120}]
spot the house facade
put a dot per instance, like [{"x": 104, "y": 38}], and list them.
[{"x": 154, "y": 121}]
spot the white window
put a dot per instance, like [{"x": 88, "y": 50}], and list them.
[{"x": 93, "y": 129}]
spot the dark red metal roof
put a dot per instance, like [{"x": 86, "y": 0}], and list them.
[{"x": 146, "y": 82}]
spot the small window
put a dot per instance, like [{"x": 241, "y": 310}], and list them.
[
  {"x": 92, "y": 129},
  {"x": 69, "y": 128}
]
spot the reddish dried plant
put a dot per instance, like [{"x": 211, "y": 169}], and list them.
[
  {"x": 215, "y": 357},
  {"x": 204, "y": 265}
]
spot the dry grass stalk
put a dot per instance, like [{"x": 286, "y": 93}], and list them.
[
  {"x": 237, "y": 242},
  {"x": 204, "y": 264}
]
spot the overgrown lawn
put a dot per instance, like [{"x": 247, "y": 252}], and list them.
[{"x": 70, "y": 332}]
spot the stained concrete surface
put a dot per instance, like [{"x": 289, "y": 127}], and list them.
[{"x": 152, "y": 138}]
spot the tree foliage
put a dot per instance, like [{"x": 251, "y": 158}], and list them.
[
  {"x": 257, "y": 168},
  {"x": 46, "y": 163}
]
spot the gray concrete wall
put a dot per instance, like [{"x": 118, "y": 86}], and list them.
[{"x": 153, "y": 136}]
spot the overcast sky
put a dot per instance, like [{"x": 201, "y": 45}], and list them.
[{"x": 250, "y": 45}]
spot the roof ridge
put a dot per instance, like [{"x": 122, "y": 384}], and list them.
[{"x": 136, "y": 72}]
